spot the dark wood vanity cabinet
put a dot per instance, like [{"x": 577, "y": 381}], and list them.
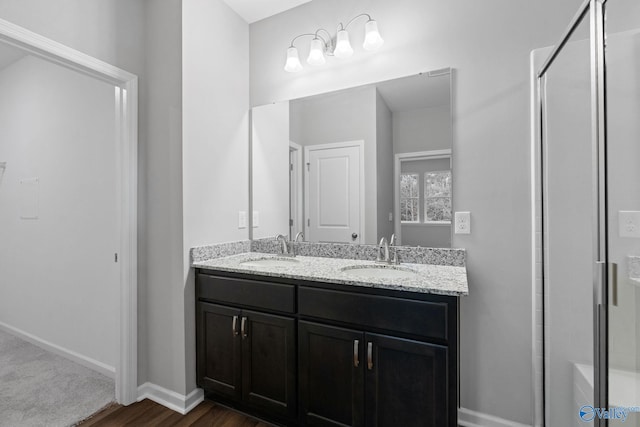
[
  {"x": 405, "y": 383},
  {"x": 246, "y": 356},
  {"x": 219, "y": 350},
  {"x": 331, "y": 375},
  {"x": 355, "y": 378},
  {"x": 320, "y": 355}
]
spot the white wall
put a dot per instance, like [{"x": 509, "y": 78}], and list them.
[
  {"x": 488, "y": 44},
  {"x": 162, "y": 298},
  {"x": 270, "y": 148},
  {"x": 110, "y": 30},
  {"x": 384, "y": 168},
  {"x": 58, "y": 278},
  {"x": 425, "y": 129},
  {"x": 215, "y": 97}
]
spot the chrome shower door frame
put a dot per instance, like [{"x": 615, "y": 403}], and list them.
[{"x": 595, "y": 9}]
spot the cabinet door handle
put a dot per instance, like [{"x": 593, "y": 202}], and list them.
[
  {"x": 370, "y": 356},
  {"x": 243, "y": 327},
  {"x": 356, "y": 350},
  {"x": 234, "y": 326}
]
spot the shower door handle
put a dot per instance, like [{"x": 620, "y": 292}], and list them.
[{"x": 614, "y": 284}]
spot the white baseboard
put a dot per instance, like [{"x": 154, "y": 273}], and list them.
[
  {"x": 87, "y": 362},
  {"x": 469, "y": 418},
  {"x": 170, "y": 399}
]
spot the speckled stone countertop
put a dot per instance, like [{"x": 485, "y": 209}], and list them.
[{"x": 428, "y": 278}]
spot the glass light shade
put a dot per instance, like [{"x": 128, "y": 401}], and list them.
[
  {"x": 293, "y": 64},
  {"x": 343, "y": 46},
  {"x": 372, "y": 39},
  {"x": 316, "y": 53}
]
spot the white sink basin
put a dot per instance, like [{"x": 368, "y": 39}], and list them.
[
  {"x": 380, "y": 272},
  {"x": 270, "y": 262}
]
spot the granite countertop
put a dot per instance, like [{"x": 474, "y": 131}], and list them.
[{"x": 428, "y": 278}]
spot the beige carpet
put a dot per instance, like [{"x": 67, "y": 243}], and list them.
[{"x": 39, "y": 388}]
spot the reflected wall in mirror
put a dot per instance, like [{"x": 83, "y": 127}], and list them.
[{"x": 358, "y": 164}]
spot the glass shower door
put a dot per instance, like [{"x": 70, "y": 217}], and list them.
[
  {"x": 568, "y": 232},
  {"x": 622, "y": 56}
]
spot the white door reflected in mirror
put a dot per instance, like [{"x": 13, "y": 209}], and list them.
[{"x": 334, "y": 189}]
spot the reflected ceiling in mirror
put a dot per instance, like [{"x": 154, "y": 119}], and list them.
[{"x": 358, "y": 164}]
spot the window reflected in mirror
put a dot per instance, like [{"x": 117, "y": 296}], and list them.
[
  {"x": 437, "y": 196},
  {"x": 409, "y": 198}
]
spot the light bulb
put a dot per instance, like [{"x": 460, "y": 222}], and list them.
[
  {"x": 293, "y": 64},
  {"x": 343, "y": 46},
  {"x": 372, "y": 39},
  {"x": 316, "y": 53}
]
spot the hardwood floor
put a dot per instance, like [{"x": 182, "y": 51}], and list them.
[{"x": 149, "y": 413}]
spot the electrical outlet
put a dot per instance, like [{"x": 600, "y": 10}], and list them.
[
  {"x": 256, "y": 219},
  {"x": 390, "y": 216},
  {"x": 629, "y": 223},
  {"x": 242, "y": 219},
  {"x": 463, "y": 223}
]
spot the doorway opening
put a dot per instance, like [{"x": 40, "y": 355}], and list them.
[{"x": 125, "y": 144}]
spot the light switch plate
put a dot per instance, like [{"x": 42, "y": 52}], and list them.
[
  {"x": 256, "y": 219},
  {"x": 629, "y": 223},
  {"x": 463, "y": 223},
  {"x": 242, "y": 219}
]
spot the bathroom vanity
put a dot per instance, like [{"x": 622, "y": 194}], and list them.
[{"x": 307, "y": 342}]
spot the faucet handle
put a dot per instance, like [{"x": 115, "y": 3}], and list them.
[
  {"x": 392, "y": 240},
  {"x": 383, "y": 242}
]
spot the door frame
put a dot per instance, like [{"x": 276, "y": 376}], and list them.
[
  {"x": 296, "y": 193},
  {"x": 346, "y": 144},
  {"x": 594, "y": 10},
  {"x": 126, "y": 100},
  {"x": 398, "y": 159}
]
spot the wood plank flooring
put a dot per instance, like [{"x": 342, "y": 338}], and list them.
[{"x": 148, "y": 413}]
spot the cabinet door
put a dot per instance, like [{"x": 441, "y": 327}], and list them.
[
  {"x": 406, "y": 382},
  {"x": 269, "y": 362},
  {"x": 331, "y": 375},
  {"x": 218, "y": 348}
]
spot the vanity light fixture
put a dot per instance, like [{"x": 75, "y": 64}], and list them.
[{"x": 321, "y": 46}]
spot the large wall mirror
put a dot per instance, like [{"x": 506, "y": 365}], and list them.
[{"x": 358, "y": 164}]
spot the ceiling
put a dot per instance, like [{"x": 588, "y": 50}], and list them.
[
  {"x": 255, "y": 10},
  {"x": 416, "y": 92}
]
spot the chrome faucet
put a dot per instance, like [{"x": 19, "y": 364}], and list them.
[
  {"x": 299, "y": 238},
  {"x": 392, "y": 243},
  {"x": 283, "y": 240},
  {"x": 383, "y": 245}
]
